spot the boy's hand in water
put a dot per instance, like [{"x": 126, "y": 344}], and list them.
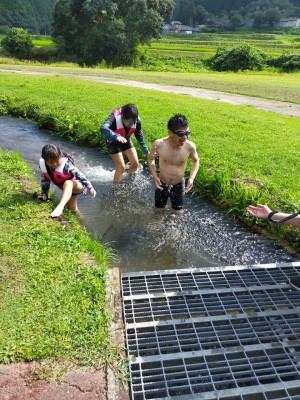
[
  {"x": 93, "y": 192},
  {"x": 157, "y": 182},
  {"x": 189, "y": 185}
]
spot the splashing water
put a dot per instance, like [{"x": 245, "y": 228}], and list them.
[{"x": 99, "y": 173}]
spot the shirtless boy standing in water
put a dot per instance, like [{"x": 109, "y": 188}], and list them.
[{"x": 173, "y": 152}]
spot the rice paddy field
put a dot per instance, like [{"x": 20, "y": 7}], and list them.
[{"x": 189, "y": 51}]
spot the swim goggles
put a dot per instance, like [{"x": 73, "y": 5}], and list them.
[
  {"x": 182, "y": 133},
  {"x": 130, "y": 123}
]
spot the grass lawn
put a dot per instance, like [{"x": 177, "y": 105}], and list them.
[
  {"x": 275, "y": 86},
  {"x": 52, "y": 280}
]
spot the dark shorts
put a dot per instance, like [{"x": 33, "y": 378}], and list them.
[
  {"x": 175, "y": 192},
  {"x": 77, "y": 194},
  {"x": 117, "y": 147}
]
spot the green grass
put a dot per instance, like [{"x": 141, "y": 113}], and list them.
[
  {"x": 268, "y": 85},
  {"x": 52, "y": 280},
  {"x": 43, "y": 42}
]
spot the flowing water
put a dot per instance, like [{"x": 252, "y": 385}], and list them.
[{"x": 125, "y": 217}]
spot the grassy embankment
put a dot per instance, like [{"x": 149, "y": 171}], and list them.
[
  {"x": 247, "y": 155},
  {"x": 52, "y": 282},
  {"x": 267, "y": 85}
]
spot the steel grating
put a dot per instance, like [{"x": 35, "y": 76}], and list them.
[
  {"x": 229, "y": 333},
  {"x": 201, "y": 334},
  {"x": 191, "y": 280}
]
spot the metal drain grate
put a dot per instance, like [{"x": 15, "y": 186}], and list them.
[
  {"x": 201, "y": 334},
  {"x": 187, "y": 280},
  {"x": 231, "y": 333},
  {"x": 214, "y": 374},
  {"x": 197, "y": 304}
]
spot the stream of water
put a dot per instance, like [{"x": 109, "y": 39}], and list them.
[{"x": 125, "y": 217}]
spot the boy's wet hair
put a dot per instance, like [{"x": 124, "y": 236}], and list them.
[
  {"x": 51, "y": 152},
  {"x": 130, "y": 111},
  {"x": 177, "y": 121}
]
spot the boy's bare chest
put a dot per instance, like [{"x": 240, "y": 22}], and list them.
[{"x": 174, "y": 156}]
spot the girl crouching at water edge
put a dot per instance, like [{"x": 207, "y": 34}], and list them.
[{"x": 59, "y": 169}]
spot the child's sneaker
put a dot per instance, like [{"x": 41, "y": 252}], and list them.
[{"x": 295, "y": 282}]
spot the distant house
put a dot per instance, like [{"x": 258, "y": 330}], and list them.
[
  {"x": 167, "y": 28},
  {"x": 178, "y": 27},
  {"x": 186, "y": 29},
  {"x": 289, "y": 22}
]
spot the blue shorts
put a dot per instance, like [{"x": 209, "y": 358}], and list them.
[
  {"x": 175, "y": 192},
  {"x": 115, "y": 147}
]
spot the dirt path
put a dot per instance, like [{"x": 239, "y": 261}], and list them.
[
  {"x": 280, "y": 107},
  {"x": 22, "y": 382}
]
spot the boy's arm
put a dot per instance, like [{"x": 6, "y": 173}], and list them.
[
  {"x": 151, "y": 164},
  {"x": 194, "y": 169}
]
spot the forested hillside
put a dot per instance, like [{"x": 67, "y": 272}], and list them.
[
  {"x": 230, "y": 13},
  {"x": 217, "y": 7},
  {"x": 34, "y": 15}
]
